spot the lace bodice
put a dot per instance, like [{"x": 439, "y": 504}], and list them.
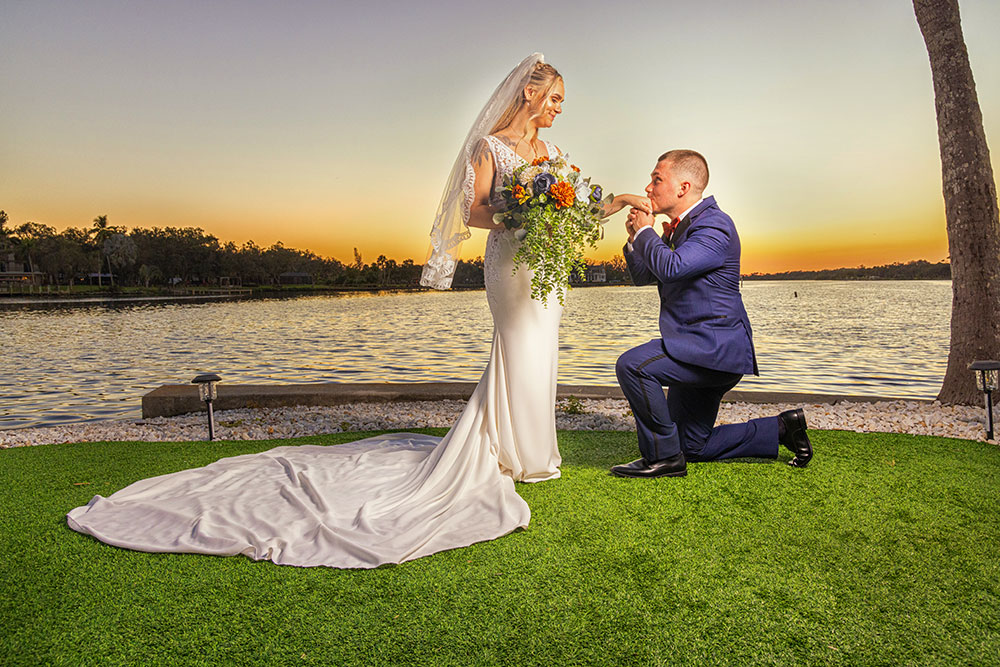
[
  {"x": 506, "y": 159},
  {"x": 500, "y": 244}
]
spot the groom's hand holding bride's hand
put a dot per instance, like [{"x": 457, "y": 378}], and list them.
[
  {"x": 630, "y": 226},
  {"x": 637, "y": 219},
  {"x": 636, "y": 202}
]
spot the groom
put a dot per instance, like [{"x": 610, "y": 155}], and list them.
[{"x": 706, "y": 345}]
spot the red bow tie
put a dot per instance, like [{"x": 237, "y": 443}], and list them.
[{"x": 669, "y": 227}]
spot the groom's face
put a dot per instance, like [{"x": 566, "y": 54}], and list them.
[{"x": 663, "y": 188}]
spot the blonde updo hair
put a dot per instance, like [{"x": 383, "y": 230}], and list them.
[{"x": 542, "y": 79}]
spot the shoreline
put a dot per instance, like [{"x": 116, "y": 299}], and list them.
[
  {"x": 176, "y": 399},
  {"x": 133, "y": 294},
  {"x": 142, "y": 294}
]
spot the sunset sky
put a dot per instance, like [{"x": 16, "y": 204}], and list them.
[{"x": 330, "y": 126}]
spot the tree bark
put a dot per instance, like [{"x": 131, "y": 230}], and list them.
[{"x": 970, "y": 201}]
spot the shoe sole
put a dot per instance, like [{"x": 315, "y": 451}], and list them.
[
  {"x": 798, "y": 463},
  {"x": 666, "y": 474}
]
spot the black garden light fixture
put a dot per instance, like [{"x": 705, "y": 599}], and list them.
[
  {"x": 208, "y": 393},
  {"x": 987, "y": 378}
]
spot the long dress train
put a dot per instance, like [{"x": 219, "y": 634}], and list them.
[{"x": 385, "y": 499}]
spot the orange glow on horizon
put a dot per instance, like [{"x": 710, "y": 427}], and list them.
[{"x": 823, "y": 246}]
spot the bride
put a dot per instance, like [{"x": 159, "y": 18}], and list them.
[
  {"x": 517, "y": 393},
  {"x": 396, "y": 497}
]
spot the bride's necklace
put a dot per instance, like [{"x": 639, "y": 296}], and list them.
[
  {"x": 513, "y": 146},
  {"x": 534, "y": 151}
]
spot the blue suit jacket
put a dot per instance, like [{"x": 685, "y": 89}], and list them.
[{"x": 702, "y": 318}]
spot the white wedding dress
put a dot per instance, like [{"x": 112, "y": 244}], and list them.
[{"x": 385, "y": 499}]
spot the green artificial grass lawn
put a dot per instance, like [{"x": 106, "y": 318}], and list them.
[{"x": 883, "y": 551}]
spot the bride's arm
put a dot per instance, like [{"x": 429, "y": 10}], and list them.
[
  {"x": 621, "y": 201},
  {"x": 481, "y": 213}
]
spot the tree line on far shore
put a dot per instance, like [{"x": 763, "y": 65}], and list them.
[
  {"x": 916, "y": 270},
  {"x": 115, "y": 256}
]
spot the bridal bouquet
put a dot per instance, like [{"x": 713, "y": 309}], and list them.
[{"x": 555, "y": 213}]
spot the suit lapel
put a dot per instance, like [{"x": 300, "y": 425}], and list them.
[
  {"x": 681, "y": 228},
  {"x": 683, "y": 225}
]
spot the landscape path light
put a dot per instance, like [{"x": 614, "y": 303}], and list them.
[
  {"x": 987, "y": 379},
  {"x": 208, "y": 393}
]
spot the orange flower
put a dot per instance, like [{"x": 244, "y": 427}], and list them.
[
  {"x": 563, "y": 194},
  {"x": 520, "y": 194},
  {"x": 538, "y": 161},
  {"x": 575, "y": 168}
]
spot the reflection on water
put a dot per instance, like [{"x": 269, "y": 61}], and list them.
[{"x": 71, "y": 363}]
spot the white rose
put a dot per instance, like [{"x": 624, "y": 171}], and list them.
[{"x": 528, "y": 175}]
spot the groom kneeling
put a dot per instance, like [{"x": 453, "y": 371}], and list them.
[{"x": 706, "y": 343}]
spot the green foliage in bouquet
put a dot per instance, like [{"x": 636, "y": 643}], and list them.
[{"x": 555, "y": 214}]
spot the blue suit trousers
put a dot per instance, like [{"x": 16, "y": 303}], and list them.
[{"x": 684, "y": 419}]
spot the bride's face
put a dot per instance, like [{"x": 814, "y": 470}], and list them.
[{"x": 550, "y": 107}]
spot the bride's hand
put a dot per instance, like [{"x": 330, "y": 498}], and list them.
[
  {"x": 636, "y": 201},
  {"x": 621, "y": 201}
]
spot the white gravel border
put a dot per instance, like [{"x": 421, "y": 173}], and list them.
[{"x": 607, "y": 415}]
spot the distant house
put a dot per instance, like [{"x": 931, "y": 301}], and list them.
[
  {"x": 12, "y": 271},
  {"x": 596, "y": 274},
  {"x": 295, "y": 278},
  {"x": 99, "y": 278}
]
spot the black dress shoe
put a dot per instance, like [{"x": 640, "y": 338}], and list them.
[
  {"x": 675, "y": 466},
  {"x": 792, "y": 434}
]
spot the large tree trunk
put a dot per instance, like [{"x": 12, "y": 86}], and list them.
[{"x": 970, "y": 201}]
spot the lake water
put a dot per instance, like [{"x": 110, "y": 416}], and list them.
[{"x": 74, "y": 362}]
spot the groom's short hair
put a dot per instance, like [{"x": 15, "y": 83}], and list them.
[{"x": 689, "y": 165}]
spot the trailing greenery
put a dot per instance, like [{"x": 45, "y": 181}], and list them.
[{"x": 881, "y": 552}]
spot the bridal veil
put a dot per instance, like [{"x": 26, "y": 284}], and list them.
[{"x": 450, "y": 227}]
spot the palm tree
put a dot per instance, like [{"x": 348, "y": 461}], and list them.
[
  {"x": 970, "y": 200},
  {"x": 102, "y": 231},
  {"x": 4, "y": 233},
  {"x": 120, "y": 251}
]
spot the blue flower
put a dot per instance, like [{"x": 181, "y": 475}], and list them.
[
  {"x": 596, "y": 193},
  {"x": 542, "y": 183}
]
